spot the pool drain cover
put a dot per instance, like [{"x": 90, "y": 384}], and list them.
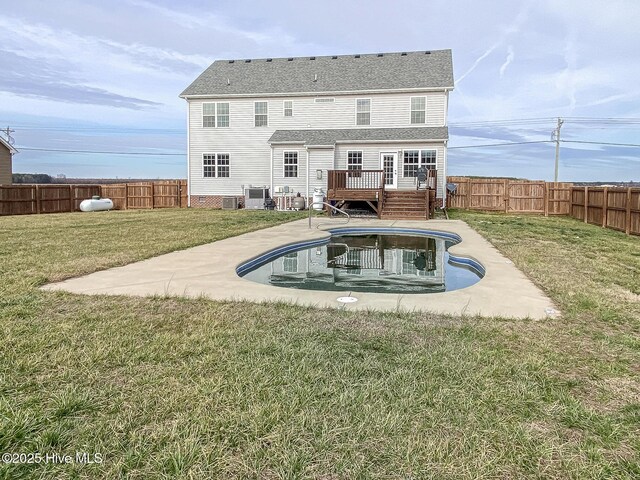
[{"x": 347, "y": 299}]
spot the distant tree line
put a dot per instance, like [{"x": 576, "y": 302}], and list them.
[{"x": 32, "y": 178}]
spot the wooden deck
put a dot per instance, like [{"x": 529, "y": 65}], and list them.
[{"x": 369, "y": 186}]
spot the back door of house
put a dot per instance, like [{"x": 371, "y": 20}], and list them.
[{"x": 389, "y": 164}]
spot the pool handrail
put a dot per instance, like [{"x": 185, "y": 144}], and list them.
[{"x": 333, "y": 207}]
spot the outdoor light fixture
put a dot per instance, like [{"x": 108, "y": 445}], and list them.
[{"x": 318, "y": 174}]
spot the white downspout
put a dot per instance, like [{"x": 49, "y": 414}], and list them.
[
  {"x": 188, "y": 157},
  {"x": 307, "y": 199},
  {"x": 271, "y": 173}
]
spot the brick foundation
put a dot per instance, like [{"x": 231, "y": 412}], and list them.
[{"x": 213, "y": 201}]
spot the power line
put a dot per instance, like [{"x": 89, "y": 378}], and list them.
[
  {"x": 603, "y": 143},
  {"x": 104, "y": 152},
  {"x": 498, "y": 144}
]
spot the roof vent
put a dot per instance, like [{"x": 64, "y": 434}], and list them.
[
  {"x": 381, "y": 55},
  {"x": 356, "y": 56},
  {"x": 312, "y": 58},
  {"x": 231, "y": 61},
  {"x": 334, "y": 57},
  {"x": 247, "y": 61},
  {"x": 268, "y": 59},
  {"x": 315, "y": 77},
  {"x": 403, "y": 54},
  {"x": 290, "y": 59},
  {"x": 228, "y": 82},
  {"x": 428, "y": 52}
]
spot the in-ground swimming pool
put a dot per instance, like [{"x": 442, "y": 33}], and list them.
[{"x": 381, "y": 260}]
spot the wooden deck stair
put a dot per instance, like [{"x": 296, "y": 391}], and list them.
[{"x": 405, "y": 205}]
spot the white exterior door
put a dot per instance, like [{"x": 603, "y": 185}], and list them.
[{"x": 389, "y": 164}]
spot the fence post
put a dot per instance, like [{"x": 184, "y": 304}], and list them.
[
  {"x": 605, "y": 204},
  {"x": 506, "y": 195},
  {"x": 153, "y": 195},
  {"x": 72, "y": 202},
  {"x": 546, "y": 199},
  {"x": 469, "y": 193},
  {"x": 38, "y": 204},
  {"x": 627, "y": 226},
  {"x": 586, "y": 203},
  {"x": 126, "y": 196}
]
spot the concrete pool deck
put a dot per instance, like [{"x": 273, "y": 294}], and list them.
[{"x": 210, "y": 271}]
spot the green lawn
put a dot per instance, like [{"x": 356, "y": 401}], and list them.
[{"x": 177, "y": 388}]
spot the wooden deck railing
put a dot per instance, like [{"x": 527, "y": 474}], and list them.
[{"x": 355, "y": 180}]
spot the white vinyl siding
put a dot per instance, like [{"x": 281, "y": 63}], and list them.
[
  {"x": 261, "y": 111},
  {"x": 363, "y": 111},
  {"x": 418, "y": 110},
  {"x": 250, "y": 152},
  {"x": 371, "y": 160},
  {"x": 288, "y": 108}
]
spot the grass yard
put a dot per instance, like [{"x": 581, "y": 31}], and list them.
[{"x": 190, "y": 388}]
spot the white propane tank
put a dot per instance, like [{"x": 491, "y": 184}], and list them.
[
  {"x": 96, "y": 204},
  {"x": 318, "y": 198}
]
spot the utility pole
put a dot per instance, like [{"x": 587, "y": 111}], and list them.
[
  {"x": 556, "y": 137},
  {"x": 8, "y": 131}
]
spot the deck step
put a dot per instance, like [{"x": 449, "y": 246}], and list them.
[{"x": 404, "y": 205}]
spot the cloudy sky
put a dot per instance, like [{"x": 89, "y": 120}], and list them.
[{"x": 105, "y": 76}]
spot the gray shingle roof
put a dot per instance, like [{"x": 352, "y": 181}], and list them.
[
  {"x": 330, "y": 137},
  {"x": 340, "y": 73}
]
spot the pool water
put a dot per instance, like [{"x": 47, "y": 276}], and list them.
[{"x": 372, "y": 262}]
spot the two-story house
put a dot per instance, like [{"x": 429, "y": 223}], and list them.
[{"x": 357, "y": 126}]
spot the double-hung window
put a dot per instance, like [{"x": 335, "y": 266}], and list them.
[
  {"x": 261, "y": 112},
  {"x": 418, "y": 110},
  {"x": 215, "y": 165},
  {"x": 363, "y": 111},
  {"x": 414, "y": 159},
  {"x": 215, "y": 115},
  {"x": 290, "y": 164},
  {"x": 288, "y": 108},
  {"x": 354, "y": 163}
]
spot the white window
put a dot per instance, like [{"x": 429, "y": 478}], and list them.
[
  {"x": 215, "y": 165},
  {"x": 209, "y": 117},
  {"x": 288, "y": 108},
  {"x": 363, "y": 111},
  {"x": 208, "y": 114},
  {"x": 222, "y": 117},
  {"x": 418, "y": 109},
  {"x": 414, "y": 159},
  {"x": 290, "y": 262},
  {"x": 290, "y": 164},
  {"x": 354, "y": 160},
  {"x": 261, "y": 111}
]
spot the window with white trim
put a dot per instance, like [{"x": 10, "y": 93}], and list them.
[
  {"x": 290, "y": 262},
  {"x": 208, "y": 114},
  {"x": 215, "y": 115},
  {"x": 215, "y": 165},
  {"x": 288, "y": 108},
  {"x": 222, "y": 114},
  {"x": 354, "y": 160},
  {"x": 418, "y": 110},
  {"x": 363, "y": 111},
  {"x": 414, "y": 159},
  {"x": 290, "y": 164},
  {"x": 261, "y": 112}
]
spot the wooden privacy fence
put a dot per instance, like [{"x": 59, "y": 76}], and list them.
[
  {"x": 30, "y": 199},
  {"x": 515, "y": 196},
  {"x": 611, "y": 207}
]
